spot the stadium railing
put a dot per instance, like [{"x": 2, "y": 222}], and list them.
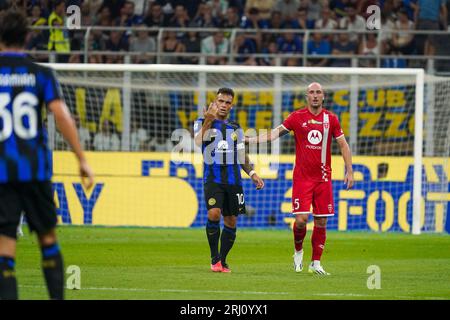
[{"x": 433, "y": 64}]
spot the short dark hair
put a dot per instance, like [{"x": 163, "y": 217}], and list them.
[
  {"x": 13, "y": 28},
  {"x": 227, "y": 91}
]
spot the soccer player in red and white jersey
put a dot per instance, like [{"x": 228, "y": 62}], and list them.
[{"x": 313, "y": 129}]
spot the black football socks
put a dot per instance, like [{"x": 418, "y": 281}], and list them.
[
  {"x": 52, "y": 266},
  {"x": 8, "y": 282},
  {"x": 226, "y": 242},
  {"x": 213, "y": 234}
]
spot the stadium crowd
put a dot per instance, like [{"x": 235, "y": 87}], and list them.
[
  {"x": 260, "y": 15},
  {"x": 265, "y": 21}
]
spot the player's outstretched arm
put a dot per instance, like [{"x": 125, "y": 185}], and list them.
[
  {"x": 347, "y": 155},
  {"x": 274, "y": 134},
  {"x": 66, "y": 126}
]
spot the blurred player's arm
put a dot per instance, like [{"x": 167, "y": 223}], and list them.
[
  {"x": 347, "y": 155},
  {"x": 247, "y": 166},
  {"x": 66, "y": 126},
  {"x": 274, "y": 134},
  {"x": 210, "y": 115}
]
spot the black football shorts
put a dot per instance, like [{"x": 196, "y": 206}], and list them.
[
  {"x": 229, "y": 198},
  {"x": 34, "y": 199}
]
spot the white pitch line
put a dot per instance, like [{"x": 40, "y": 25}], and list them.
[{"x": 241, "y": 292}]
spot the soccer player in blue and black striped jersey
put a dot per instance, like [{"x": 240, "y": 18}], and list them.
[
  {"x": 224, "y": 155},
  {"x": 25, "y": 159}
]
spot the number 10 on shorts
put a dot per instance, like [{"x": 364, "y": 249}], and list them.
[{"x": 240, "y": 197}]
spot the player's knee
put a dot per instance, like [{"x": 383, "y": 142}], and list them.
[
  {"x": 47, "y": 239},
  {"x": 230, "y": 221},
  {"x": 320, "y": 222},
  {"x": 214, "y": 214}
]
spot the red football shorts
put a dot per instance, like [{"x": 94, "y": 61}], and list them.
[{"x": 317, "y": 194}]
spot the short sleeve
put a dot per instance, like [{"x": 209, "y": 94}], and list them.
[
  {"x": 52, "y": 88},
  {"x": 336, "y": 129},
  {"x": 288, "y": 123}
]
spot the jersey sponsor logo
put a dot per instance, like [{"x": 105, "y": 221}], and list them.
[
  {"x": 222, "y": 146},
  {"x": 304, "y": 125},
  {"x": 212, "y": 201},
  {"x": 314, "y": 137},
  {"x": 312, "y": 121}
]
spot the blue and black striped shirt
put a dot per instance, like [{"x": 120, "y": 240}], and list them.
[
  {"x": 220, "y": 154},
  {"x": 24, "y": 88}
]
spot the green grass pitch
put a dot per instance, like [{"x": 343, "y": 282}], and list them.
[{"x": 160, "y": 264}]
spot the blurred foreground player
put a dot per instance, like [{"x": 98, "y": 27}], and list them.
[
  {"x": 313, "y": 128},
  {"x": 25, "y": 159},
  {"x": 223, "y": 156}
]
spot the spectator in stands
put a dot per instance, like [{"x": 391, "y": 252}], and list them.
[
  {"x": 144, "y": 44},
  {"x": 288, "y": 8},
  {"x": 369, "y": 47},
  {"x": 127, "y": 16},
  {"x": 300, "y": 20},
  {"x": 318, "y": 46},
  {"x": 59, "y": 39},
  {"x": 94, "y": 7},
  {"x": 275, "y": 22},
  {"x": 314, "y": 9},
  {"x": 218, "y": 9},
  {"x": 95, "y": 44},
  {"x": 352, "y": 22},
  {"x": 264, "y": 6},
  {"x": 343, "y": 46},
  {"x": 267, "y": 59},
  {"x": 115, "y": 43},
  {"x": 244, "y": 48},
  {"x": 326, "y": 21},
  {"x": 155, "y": 16},
  {"x": 204, "y": 17},
  {"x": 114, "y": 7},
  {"x": 180, "y": 19},
  {"x": 231, "y": 19},
  {"x": 387, "y": 25},
  {"x": 36, "y": 39},
  {"x": 403, "y": 41},
  {"x": 106, "y": 139},
  {"x": 253, "y": 20},
  {"x": 138, "y": 137},
  {"x": 431, "y": 15},
  {"x": 192, "y": 44},
  {"x": 171, "y": 44},
  {"x": 289, "y": 43},
  {"x": 216, "y": 47}
]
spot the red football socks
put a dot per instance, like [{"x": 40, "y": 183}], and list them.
[
  {"x": 299, "y": 235},
  {"x": 318, "y": 238}
]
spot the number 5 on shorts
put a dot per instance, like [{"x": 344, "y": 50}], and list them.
[{"x": 296, "y": 204}]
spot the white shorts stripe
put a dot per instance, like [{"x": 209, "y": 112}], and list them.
[
  {"x": 301, "y": 212},
  {"x": 323, "y": 215}
]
